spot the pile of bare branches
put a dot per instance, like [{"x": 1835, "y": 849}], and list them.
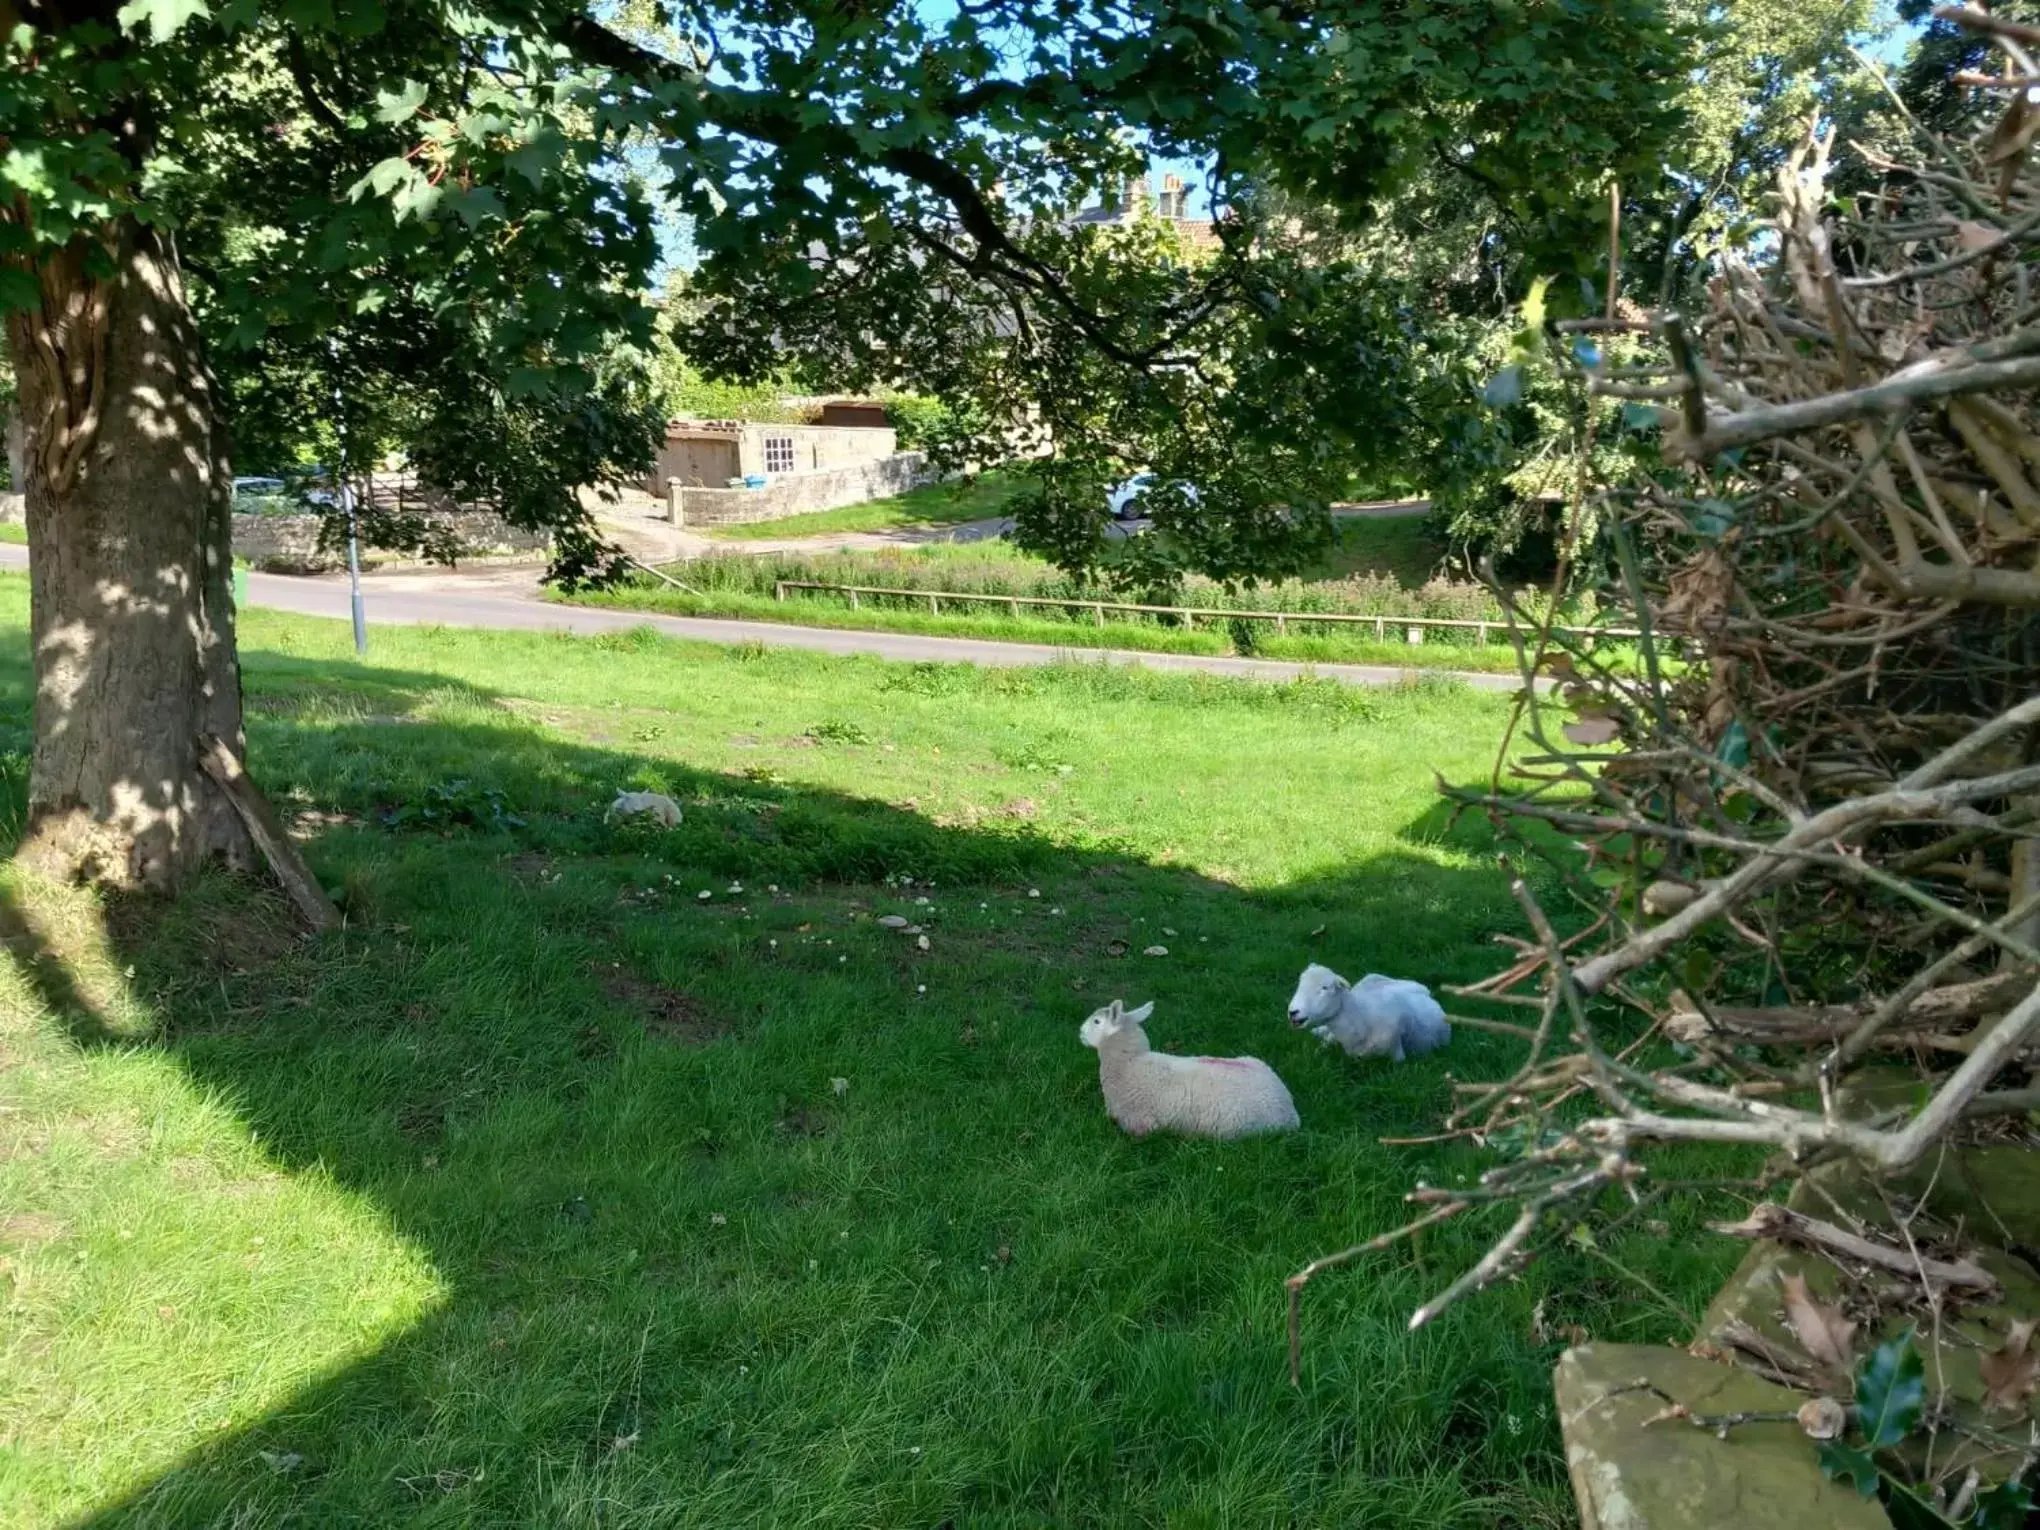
[{"x": 1808, "y": 803}]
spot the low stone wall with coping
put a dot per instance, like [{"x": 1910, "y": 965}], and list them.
[{"x": 292, "y": 542}]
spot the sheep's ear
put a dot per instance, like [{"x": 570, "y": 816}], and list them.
[
  {"x": 1116, "y": 1010},
  {"x": 1139, "y": 1016},
  {"x": 1340, "y": 985}
]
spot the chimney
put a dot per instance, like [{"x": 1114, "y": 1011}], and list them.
[{"x": 1136, "y": 197}]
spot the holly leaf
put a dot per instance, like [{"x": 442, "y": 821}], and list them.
[
  {"x": 1840, "y": 1463},
  {"x": 399, "y": 105},
  {"x": 2009, "y": 1373},
  {"x": 164, "y": 17},
  {"x": 1891, "y": 1391},
  {"x": 1822, "y": 1331},
  {"x": 1909, "y": 1511},
  {"x": 2004, "y": 1507}
]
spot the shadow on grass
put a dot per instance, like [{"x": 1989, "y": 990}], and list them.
[{"x": 690, "y": 1280}]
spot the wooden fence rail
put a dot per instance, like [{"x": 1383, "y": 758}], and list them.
[{"x": 1413, "y": 626}]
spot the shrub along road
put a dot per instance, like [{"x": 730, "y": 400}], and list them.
[{"x": 501, "y": 598}]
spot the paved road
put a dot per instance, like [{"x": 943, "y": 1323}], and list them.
[{"x": 501, "y": 597}]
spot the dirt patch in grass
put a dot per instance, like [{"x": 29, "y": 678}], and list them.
[
  {"x": 26, "y": 1227},
  {"x": 668, "y": 1014},
  {"x": 799, "y": 1121}
]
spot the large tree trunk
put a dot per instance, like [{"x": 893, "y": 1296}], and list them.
[{"x": 130, "y": 567}]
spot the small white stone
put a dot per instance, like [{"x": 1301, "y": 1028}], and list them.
[
  {"x": 920, "y": 903},
  {"x": 704, "y": 895},
  {"x": 1033, "y": 892},
  {"x": 1167, "y": 931},
  {"x": 893, "y": 921},
  {"x": 1156, "y": 951},
  {"x": 921, "y": 942},
  {"x": 920, "y": 988}
]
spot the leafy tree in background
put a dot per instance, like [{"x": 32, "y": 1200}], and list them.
[{"x": 441, "y": 190}]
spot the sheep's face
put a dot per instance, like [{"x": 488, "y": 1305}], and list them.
[
  {"x": 1319, "y": 993},
  {"x": 1110, "y": 1021}
]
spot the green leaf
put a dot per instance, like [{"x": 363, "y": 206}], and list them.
[
  {"x": 1840, "y": 1462},
  {"x": 2004, "y": 1507},
  {"x": 1504, "y": 389},
  {"x": 1909, "y": 1511},
  {"x": 1533, "y": 306},
  {"x": 1891, "y": 1391},
  {"x": 383, "y": 178},
  {"x": 163, "y": 16},
  {"x": 399, "y": 105},
  {"x": 18, "y": 289},
  {"x": 1734, "y": 748}
]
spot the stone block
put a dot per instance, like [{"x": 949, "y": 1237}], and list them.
[{"x": 1672, "y": 1476}]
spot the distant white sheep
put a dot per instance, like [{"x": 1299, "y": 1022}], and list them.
[
  {"x": 1148, "y": 1091},
  {"x": 1382, "y": 1017},
  {"x": 647, "y": 804}
]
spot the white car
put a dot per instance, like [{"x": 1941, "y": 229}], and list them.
[{"x": 1123, "y": 503}]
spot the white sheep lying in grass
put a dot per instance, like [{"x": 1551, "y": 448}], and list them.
[
  {"x": 1382, "y": 1017},
  {"x": 1147, "y": 1091},
  {"x": 647, "y": 804}
]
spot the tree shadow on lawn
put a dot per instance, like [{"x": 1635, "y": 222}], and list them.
[{"x": 747, "y": 1209}]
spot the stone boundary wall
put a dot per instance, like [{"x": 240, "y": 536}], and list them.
[
  {"x": 798, "y": 493},
  {"x": 292, "y": 541}
]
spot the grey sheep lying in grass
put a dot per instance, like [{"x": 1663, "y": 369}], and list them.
[
  {"x": 1148, "y": 1091},
  {"x": 1382, "y": 1017}
]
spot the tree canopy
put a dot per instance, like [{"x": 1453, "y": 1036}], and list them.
[{"x": 445, "y": 208}]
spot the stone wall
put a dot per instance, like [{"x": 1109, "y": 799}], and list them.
[
  {"x": 292, "y": 541},
  {"x": 799, "y": 493}
]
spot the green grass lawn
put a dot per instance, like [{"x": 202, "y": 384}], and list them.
[
  {"x": 821, "y": 609},
  {"x": 1384, "y": 564},
  {"x": 1398, "y": 546},
  {"x": 599, "y": 1175},
  {"x": 937, "y": 504},
  {"x": 15, "y": 532}
]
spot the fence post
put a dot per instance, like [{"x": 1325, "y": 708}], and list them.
[
  {"x": 1014, "y": 605},
  {"x": 933, "y": 608},
  {"x": 1098, "y": 611},
  {"x": 853, "y": 599},
  {"x": 675, "y": 512},
  {"x": 1483, "y": 634},
  {"x": 1281, "y": 623},
  {"x": 779, "y": 589},
  {"x": 1380, "y": 630}
]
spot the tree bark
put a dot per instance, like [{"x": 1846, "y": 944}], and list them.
[
  {"x": 17, "y": 449},
  {"x": 129, "y": 500}
]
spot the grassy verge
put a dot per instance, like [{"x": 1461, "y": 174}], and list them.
[
  {"x": 938, "y": 504},
  {"x": 815, "y": 609},
  {"x": 604, "y": 1175},
  {"x": 14, "y": 532},
  {"x": 1398, "y": 547}
]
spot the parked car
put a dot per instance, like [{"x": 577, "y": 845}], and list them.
[
  {"x": 258, "y": 486},
  {"x": 1123, "y": 503}
]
